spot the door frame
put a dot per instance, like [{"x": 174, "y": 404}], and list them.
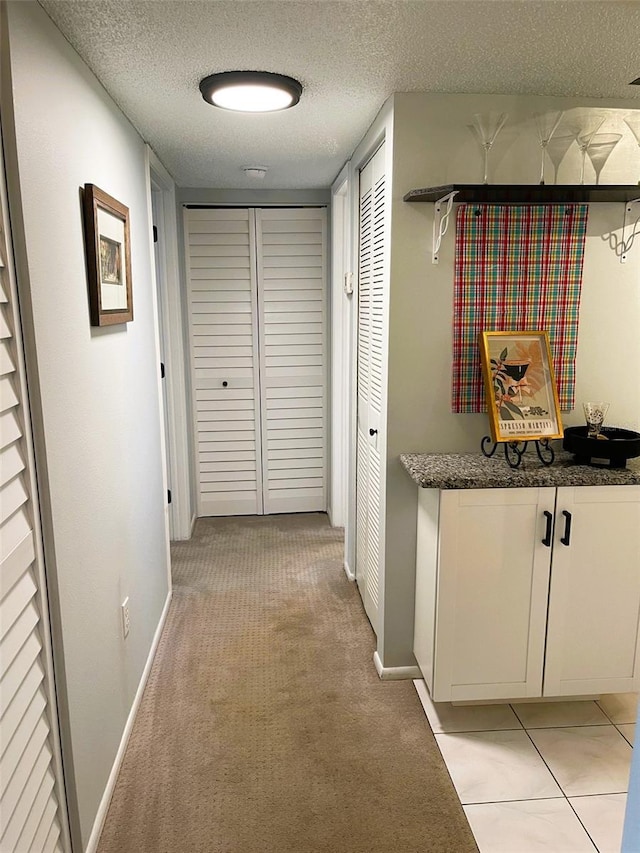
[
  {"x": 341, "y": 287},
  {"x": 381, "y": 131},
  {"x": 161, "y": 187}
]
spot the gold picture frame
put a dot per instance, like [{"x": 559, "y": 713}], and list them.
[
  {"x": 108, "y": 249},
  {"x": 521, "y": 392}
]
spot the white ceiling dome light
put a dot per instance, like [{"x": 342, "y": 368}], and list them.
[
  {"x": 251, "y": 91},
  {"x": 257, "y": 172}
]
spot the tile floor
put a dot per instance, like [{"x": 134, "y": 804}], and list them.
[{"x": 539, "y": 776}]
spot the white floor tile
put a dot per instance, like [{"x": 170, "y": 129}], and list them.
[
  {"x": 495, "y": 766},
  {"x": 445, "y": 717},
  {"x": 542, "y": 715},
  {"x": 587, "y": 759},
  {"x": 533, "y": 826},
  {"x": 620, "y": 707},
  {"x": 628, "y": 730},
  {"x": 603, "y": 818}
]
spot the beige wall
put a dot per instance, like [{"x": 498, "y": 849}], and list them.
[
  {"x": 433, "y": 146},
  {"x": 95, "y": 393}
]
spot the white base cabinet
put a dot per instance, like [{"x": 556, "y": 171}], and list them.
[{"x": 528, "y": 592}]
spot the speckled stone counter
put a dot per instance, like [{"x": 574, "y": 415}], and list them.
[{"x": 475, "y": 471}]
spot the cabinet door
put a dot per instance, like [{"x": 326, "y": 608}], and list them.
[
  {"x": 493, "y": 578},
  {"x": 593, "y": 642}
]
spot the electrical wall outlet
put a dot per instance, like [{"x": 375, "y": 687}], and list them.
[{"x": 126, "y": 620}]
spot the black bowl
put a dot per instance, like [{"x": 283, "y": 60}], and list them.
[{"x": 613, "y": 450}]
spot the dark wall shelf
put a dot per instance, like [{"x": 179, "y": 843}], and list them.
[{"x": 528, "y": 193}]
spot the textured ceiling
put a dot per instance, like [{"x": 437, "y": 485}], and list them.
[{"x": 350, "y": 56}]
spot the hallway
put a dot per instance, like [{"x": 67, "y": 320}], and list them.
[{"x": 264, "y": 727}]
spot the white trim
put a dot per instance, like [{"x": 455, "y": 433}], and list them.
[
  {"x": 105, "y": 802},
  {"x": 350, "y": 575},
  {"x": 194, "y": 518},
  {"x": 343, "y": 322},
  {"x": 395, "y": 673},
  {"x": 179, "y": 461},
  {"x": 209, "y": 196},
  {"x": 340, "y": 369},
  {"x": 381, "y": 131}
]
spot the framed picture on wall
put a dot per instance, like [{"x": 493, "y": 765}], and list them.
[
  {"x": 108, "y": 249},
  {"x": 522, "y": 398}
]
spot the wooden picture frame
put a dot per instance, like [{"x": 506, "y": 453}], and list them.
[
  {"x": 522, "y": 397},
  {"x": 108, "y": 249}
]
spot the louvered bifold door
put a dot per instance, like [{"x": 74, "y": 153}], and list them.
[
  {"x": 292, "y": 247},
  {"x": 221, "y": 271},
  {"x": 377, "y": 374},
  {"x": 363, "y": 371},
  {"x": 372, "y": 278},
  {"x": 30, "y": 817}
]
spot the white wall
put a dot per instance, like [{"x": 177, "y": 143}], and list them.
[
  {"x": 95, "y": 394},
  {"x": 433, "y": 146}
]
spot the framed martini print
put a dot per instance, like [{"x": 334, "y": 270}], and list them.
[
  {"x": 522, "y": 398},
  {"x": 108, "y": 248}
]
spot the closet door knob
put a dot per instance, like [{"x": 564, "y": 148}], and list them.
[
  {"x": 373, "y": 431},
  {"x": 225, "y": 383}
]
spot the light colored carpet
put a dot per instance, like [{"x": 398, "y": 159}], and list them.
[{"x": 264, "y": 727}]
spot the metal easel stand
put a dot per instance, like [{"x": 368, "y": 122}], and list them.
[{"x": 513, "y": 453}]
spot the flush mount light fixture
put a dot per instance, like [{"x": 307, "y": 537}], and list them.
[
  {"x": 255, "y": 171},
  {"x": 251, "y": 91}
]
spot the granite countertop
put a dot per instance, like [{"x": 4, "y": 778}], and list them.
[{"x": 475, "y": 471}]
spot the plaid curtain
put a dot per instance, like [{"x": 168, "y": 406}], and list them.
[{"x": 517, "y": 267}]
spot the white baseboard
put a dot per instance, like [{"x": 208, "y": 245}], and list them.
[
  {"x": 395, "y": 673},
  {"x": 351, "y": 575},
  {"x": 103, "y": 808}
]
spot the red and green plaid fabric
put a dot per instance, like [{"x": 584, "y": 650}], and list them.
[{"x": 517, "y": 267}]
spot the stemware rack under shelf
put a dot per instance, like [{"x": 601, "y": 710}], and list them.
[{"x": 528, "y": 193}]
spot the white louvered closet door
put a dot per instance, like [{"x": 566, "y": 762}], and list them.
[
  {"x": 29, "y": 797},
  {"x": 257, "y": 293},
  {"x": 291, "y": 258},
  {"x": 221, "y": 272},
  {"x": 370, "y": 455}
]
